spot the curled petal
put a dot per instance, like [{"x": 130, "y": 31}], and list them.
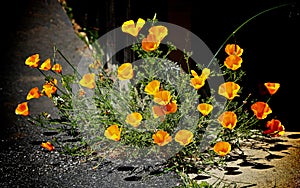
[{"x": 158, "y": 111}]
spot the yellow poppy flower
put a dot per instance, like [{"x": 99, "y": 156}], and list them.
[
  {"x": 205, "y": 108},
  {"x": 49, "y": 88},
  {"x": 33, "y": 93},
  {"x": 125, "y": 71},
  {"x": 162, "y": 97},
  {"x": 229, "y": 90},
  {"x": 184, "y": 137},
  {"x": 134, "y": 119},
  {"x": 33, "y": 60},
  {"x": 88, "y": 80},
  {"x": 113, "y": 132},
  {"x": 152, "y": 87},
  {"x": 131, "y": 28},
  {"x": 46, "y": 65},
  {"x": 57, "y": 68}
]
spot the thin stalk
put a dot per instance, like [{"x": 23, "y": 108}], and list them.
[
  {"x": 60, "y": 53},
  {"x": 242, "y": 25}
]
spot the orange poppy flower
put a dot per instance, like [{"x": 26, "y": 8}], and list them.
[
  {"x": 171, "y": 107},
  {"x": 57, "y": 68},
  {"x": 33, "y": 61},
  {"x": 125, "y": 71},
  {"x": 134, "y": 119},
  {"x": 161, "y": 138},
  {"x": 228, "y": 119},
  {"x": 184, "y": 137},
  {"x": 88, "y": 80},
  {"x": 113, "y": 132},
  {"x": 233, "y": 62},
  {"x": 274, "y": 128},
  {"x": 22, "y": 109},
  {"x": 131, "y": 28},
  {"x": 47, "y": 145},
  {"x": 150, "y": 43},
  {"x": 152, "y": 87},
  {"x": 49, "y": 88},
  {"x": 233, "y": 49},
  {"x": 272, "y": 87},
  {"x": 153, "y": 39},
  {"x": 205, "y": 108},
  {"x": 162, "y": 97},
  {"x": 33, "y": 93},
  {"x": 159, "y": 111},
  {"x": 229, "y": 90},
  {"x": 222, "y": 148},
  {"x": 46, "y": 65},
  {"x": 261, "y": 110}
]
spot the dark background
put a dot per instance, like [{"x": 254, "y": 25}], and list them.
[{"x": 270, "y": 41}]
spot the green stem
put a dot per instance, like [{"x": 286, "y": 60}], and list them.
[
  {"x": 60, "y": 53},
  {"x": 243, "y": 24}
]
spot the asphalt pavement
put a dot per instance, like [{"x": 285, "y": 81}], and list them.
[{"x": 36, "y": 26}]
